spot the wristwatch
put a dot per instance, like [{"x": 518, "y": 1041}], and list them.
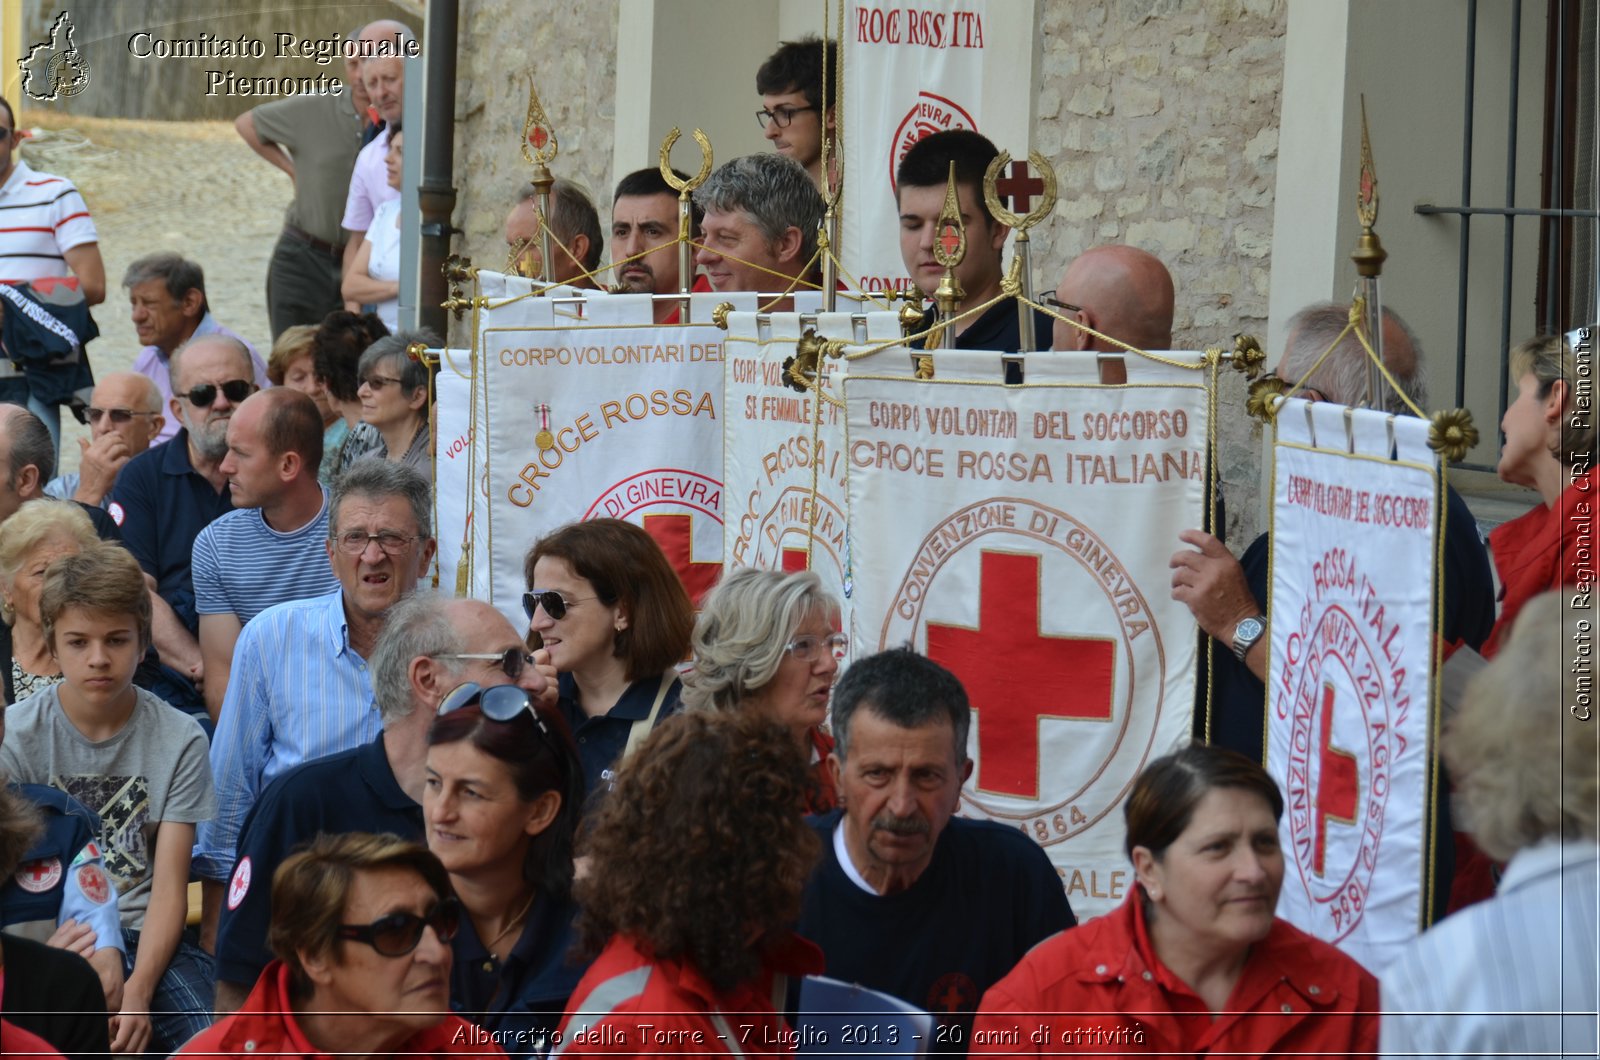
[{"x": 1246, "y": 633}]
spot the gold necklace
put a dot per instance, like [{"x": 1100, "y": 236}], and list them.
[{"x": 511, "y": 924}]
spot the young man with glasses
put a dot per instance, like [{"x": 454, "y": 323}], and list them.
[
  {"x": 300, "y": 685},
  {"x": 791, "y": 114},
  {"x": 429, "y": 646},
  {"x": 124, "y": 417},
  {"x": 361, "y": 926},
  {"x": 167, "y": 302}
]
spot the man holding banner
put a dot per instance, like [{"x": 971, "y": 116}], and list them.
[{"x": 920, "y": 190}]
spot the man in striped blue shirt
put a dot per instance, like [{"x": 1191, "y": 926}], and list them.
[
  {"x": 300, "y": 688},
  {"x": 272, "y": 548}
]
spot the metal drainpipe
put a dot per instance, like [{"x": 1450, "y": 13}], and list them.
[{"x": 436, "y": 195}]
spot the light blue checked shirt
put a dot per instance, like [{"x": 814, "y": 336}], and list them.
[{"x": 297, "y": 691}]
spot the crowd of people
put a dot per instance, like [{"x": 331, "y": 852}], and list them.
[{"x": 419, "y": 828}]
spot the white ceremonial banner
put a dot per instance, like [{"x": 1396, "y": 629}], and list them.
[
  {"x": 1352, "y": 606},
  {"x": 911, "y": 71},
  {"x": 634, "y": 411},
  {"x": 776, "y": 452},
  {"x": 1020, "y": 536},
  {"x": 454, "y": 467}
]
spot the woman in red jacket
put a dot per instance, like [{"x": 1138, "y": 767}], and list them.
[
  {"x": 1194, "y": 961},
  {"x": 1550, "y": 448},
  {"x": 696, "y": 863}
]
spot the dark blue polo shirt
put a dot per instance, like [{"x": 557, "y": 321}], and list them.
[
  {"x": 601, "y": 740},
  {"x": 996, "y": 329},
  {"x": 162, "y": 503},
  {"x": 353, "y": 791},
  {"x": 524, "y": 998}
]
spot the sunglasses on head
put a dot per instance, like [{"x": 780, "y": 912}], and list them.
[
  {"x": 512, "y": 661},
  {"x": 555, "y": 605},
  {"x": 398, "y": 934},
  {"x": 499, "y": 703},
  {"x": 235, "y": 390}
]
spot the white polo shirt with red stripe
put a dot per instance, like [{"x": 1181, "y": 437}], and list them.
[{"x": 42, "y": 216}]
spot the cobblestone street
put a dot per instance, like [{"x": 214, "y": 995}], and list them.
[{"x": 190, "y": 187}]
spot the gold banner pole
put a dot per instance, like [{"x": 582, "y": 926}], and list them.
[
  {"x": 538, "y": 134},
  {"x": 1369, "y": 256},
  {"x": 685, "y": 189},
  {"x": 949, "y": 250}
]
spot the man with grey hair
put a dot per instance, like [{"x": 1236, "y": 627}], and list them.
[
  {"x": 1225, "y": 594},
  {"x": 574, "y": 226},
  {"x": 167, "y": 294},
  {"x": 125, "y": 415},
  {"x": 300, "y": 686},
  {"x": 762, "y": 214},
  {"x": 384, "y": 44},
  {"x": 429, "y": 645},
  {"x": 166, "y": 495}
]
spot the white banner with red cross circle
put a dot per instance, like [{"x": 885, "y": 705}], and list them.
[
  {"x": 914, "y": 70},
  {"x": 783, "y": 453},
  {"x": 611, "y": 416},
  {"x": 1020, "y": 536},
  {"x": 1349, "y": 680}
]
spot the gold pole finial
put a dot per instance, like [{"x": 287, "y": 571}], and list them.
[
  {"x": 685, "y": 188},
  {"x": 538, "y": 134},
  {"x": 949, "y": 250},
  {"x": 1369, "y": 254},
  {"x": 539, "y": 148}
]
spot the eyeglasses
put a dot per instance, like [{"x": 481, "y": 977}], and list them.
[
  {"x": 235, "y": 390},
  {"x": 555, "y": 605},
  {"x": 780, "y": 116},
  {"x": 378, "y": 382},
  {"x": 398, "y": 934},
  {"x": 118, "y": 416},
  {"x": 354, "y": 542},
  {"x": 1050, "y": 299},
  {"x": 512, "y": 661},
  {"x": 809, "y": 648},
  {"x": 499, "y": 703}
]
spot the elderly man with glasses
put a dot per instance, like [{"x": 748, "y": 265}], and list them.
[
  {"x": 124, "y": 417},
  {"x": 361, "y": 926},
  {"x": 300, "y": 686},
  {"x": 429, "y": 645}
]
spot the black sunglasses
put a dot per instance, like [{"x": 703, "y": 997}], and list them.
[
  {"x": 499, "y": 703},
  {"x": 512, "y": 661},
  {"x": 235, "y": 390},
  {"x": 398, "y": 934},
  {"x": 118, "y": 416},
  {"x": 555, "y": 605}
]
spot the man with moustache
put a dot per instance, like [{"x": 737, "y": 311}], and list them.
[
  {"x": 429, "y": 645},
  {"x": 166, "y": 495},
  {"x": 644, "y": 221},
  {"x": 897, "y": 863}
]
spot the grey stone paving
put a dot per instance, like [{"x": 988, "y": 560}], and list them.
[{"x": 190, "y": 187}]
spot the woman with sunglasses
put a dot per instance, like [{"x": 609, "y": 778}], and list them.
[
  {"x": 608, "y": 607},
  {"x": 769, "y": 642},
  {"x": 361, "y": 926},
  {"x": 500, "y": 802}
]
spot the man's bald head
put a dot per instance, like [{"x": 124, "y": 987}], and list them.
[
  {"x": 1123, "y": 292},
  {"x": 127, "y": 392},
  {"x": 1342, "y": 377}
]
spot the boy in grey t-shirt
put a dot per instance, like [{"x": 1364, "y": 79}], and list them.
[{"x": 138, "y": 762}]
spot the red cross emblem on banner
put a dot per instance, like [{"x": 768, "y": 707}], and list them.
[
  {"x": 1337, "y": 789},
  {"x": 675, "y": 535},
  {"x": 1019, "y": 187},
  {"x": 1015, "y": 675},
  {"x": 949, "y": 239}
]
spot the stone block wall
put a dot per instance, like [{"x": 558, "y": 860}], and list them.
[{"x": 1160, "y": 117}]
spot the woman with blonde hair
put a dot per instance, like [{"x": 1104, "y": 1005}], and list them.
[
  {"x": 769, "y": 642},
  {"x": 1495, "y": 979},
  {"x": 40, "y": 533}
]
